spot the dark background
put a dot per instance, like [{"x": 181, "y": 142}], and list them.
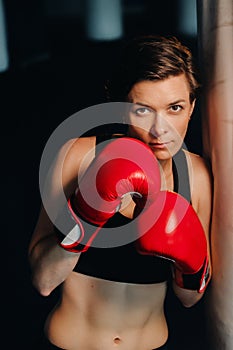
[{"x": 54, "y": 71}]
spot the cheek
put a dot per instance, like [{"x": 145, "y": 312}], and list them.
[
  {"x": 135, "y": 130},
  {"x": 180, "y": 128},
  {"x": 139, "y": 125}
]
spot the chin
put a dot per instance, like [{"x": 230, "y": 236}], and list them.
[{"x": 162, "y": 155}]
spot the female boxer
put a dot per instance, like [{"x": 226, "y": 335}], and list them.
[{"x": 113, "y": 298}]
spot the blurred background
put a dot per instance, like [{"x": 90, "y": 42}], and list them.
[{"x": 55, "y": 56}]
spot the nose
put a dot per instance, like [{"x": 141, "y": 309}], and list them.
[{"x": 158, "y": 126}]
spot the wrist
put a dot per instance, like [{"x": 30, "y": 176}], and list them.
[{"x": 69, "y": 230}]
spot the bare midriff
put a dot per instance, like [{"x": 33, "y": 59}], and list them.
[{"x": 96, "y": 314}]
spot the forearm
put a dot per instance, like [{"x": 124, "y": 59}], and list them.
[
  {"x": 50, "y": 264},
  {"x": 194, "y": 288},
  {"x": 187, "y": 297}
]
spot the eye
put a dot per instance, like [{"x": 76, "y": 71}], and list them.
[
  {"x": 142, "y": 111},
  {"x": 176, "y": 108}
]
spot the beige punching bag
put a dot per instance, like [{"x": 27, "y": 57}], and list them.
[{"x": 215, "y": 36}]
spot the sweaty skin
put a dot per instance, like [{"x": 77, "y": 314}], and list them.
[{"x": 97, "y": 314}]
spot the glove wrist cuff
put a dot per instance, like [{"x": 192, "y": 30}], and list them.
[
  {"x": 197, "y": 281},
  {"x": 73, "y": 232}
]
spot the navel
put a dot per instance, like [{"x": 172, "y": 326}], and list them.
[{"x": 117, "y": 340}]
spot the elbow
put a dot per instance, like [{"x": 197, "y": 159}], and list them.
[
  {"x": 189, "y": 304},
  {"x": 191, "y": 300},
  {"x": 44, "y": 292},
  {"x": 187, "y": 297},
  {"x": 42, "y": 288}
]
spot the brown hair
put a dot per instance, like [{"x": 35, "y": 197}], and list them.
[{"x": 151, "y": 57}]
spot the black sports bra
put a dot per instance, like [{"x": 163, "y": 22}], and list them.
[{"x": 123, "y": 263}]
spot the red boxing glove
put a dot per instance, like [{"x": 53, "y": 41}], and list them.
[
  {"x": 171, "y": 229},
  {"x": 123, "y": 166}
]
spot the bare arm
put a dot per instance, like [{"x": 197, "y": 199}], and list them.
[
  {"x": 202, "y": 203},
  {"x": 50, "y": 264}
]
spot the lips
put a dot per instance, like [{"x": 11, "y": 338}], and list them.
[{"x": 159, "y": 144}]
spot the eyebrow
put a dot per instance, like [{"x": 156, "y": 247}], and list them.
[
  {"x": 142, "y": 104},
  {"x": 169, "y": 104},
  {"x": 176, "y": 102}
]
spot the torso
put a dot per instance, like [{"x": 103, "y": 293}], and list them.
[
  {"x": 95, "y": 312},
  {"x": 99, "y": 314}
]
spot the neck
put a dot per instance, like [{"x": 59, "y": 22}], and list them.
[{"x": 166, "y": 174}]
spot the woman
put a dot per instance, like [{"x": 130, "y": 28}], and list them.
[{"x": 102, "y": 310}]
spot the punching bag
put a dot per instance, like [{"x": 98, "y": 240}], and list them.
[{"x": 215, "y": 41}]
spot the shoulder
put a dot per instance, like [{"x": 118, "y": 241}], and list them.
[
  {"x": 73, "y": 159},
  {"x": 64, "y": 172},
  {"x": 62, "y": 178},
  {"x": 200, "y": 178},
  {"x": 80, "y": 145},
  {"x": 198, "y": 166}
]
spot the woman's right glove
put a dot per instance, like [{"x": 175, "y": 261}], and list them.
[{"x": 124, "y": 166}]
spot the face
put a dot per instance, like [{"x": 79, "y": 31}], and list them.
[{"x": 160, "y": 113}]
